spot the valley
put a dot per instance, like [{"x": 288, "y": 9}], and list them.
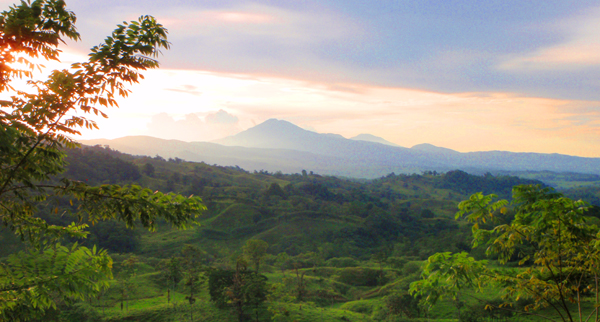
[{"x": 337, "y": 249}]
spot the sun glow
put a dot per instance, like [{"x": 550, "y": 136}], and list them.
[{"x": 464, "y": 122}]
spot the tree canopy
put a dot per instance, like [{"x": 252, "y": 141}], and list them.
[
  {"x": 549, "y": 237},
  {"x": 37, "y": 124}
]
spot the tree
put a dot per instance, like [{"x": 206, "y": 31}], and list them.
[
  {"x": 550, "y": 237},
  {"x": 128, "y": 271},
  {"x": 275, "y": 190},
  {"x": 237, "y": 289},
  {"x": 36, "y": 125},
  {"x": 400, "y": 302},
  {"x": 148, "y": 169},
  {"x": 381, "y": 258},
  {"x": 172, "y": 273},
  {"x": 193, "y": 278},
  {"x": 254, "y": 251},
  {"x": 281, "y": 261}
]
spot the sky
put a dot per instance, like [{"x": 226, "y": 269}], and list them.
[{"x": 508, "y": 75}]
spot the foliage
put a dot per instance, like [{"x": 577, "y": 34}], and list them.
[
  {"x": 31, "y": 279},
  {"x": 402, "y": 303},
  {"x": 148, "y": 169},
  {"x": 447, "y": 274},
  {"x": 238, "y": 289},
  {"x": 80, "y": 312},
  {"x": 560, "y": 266},
  {"x": 192, "y": 270},
  {"x": 128, "y": 271},
  {"x": 303, "y": 222},
  {"x": 341, "y": 262},
  {"x": 359, "y": 276},
  {"x": 172, "y": 273},
  {"x": 95, "y": 165},
  {"x": 36, "y": 125},
  {"x": 466, "y": 183},
  {"x": 255, "y": 250}
]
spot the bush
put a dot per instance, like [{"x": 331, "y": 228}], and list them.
[
  {"x": 397, "y": 262},
  {"x": 359, "y": 276},
  {"x": 341, "y": 262},
  {"x": 426, "y": 213},
  {"x": 80, "y": 312},
  {"x": 411, "y": 268},
  {"x": 364, "y": 307}
]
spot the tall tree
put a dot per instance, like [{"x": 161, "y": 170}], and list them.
[
  {"x": 192, "y": 257},
  {"x": 128, "y": 271},
  {"x": 172, "y": 272},
  {"x": 37, "y": 124}
]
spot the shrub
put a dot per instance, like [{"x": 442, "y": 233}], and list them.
[
  {"x": 341, "y": 262},
  {"x": 359, "y": 276}
]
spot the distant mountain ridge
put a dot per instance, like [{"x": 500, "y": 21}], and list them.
[
  {"x": 277, "y": 145},
  {"x": 433, "y": 149}
]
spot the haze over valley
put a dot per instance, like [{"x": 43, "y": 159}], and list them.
[{"x": 278, "y": 145}]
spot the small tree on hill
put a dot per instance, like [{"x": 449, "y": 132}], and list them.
[
  {"x": 254, "y": 251},
  {"x": 193, "y": 277},
  {"x": 148, "y": 169},
  {"x": 172, "y": 271},
  {"x": 128, "y": 271},
  {"x": 237, "y": 289}
]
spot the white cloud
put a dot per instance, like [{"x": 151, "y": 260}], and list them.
[
  {"x": 221, "y": 117},
  {"x": 192, "y": 127}
]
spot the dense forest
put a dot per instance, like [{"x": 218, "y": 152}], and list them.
[
  {"x": 299, "y": 246},
  {"x": 297, "y": 213}
]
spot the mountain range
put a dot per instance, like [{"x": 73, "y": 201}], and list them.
[{"x": 277, "y": 145}]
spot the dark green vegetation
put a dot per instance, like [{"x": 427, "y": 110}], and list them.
[
  {"x": 337, "y": 249},
  {"x": 551, "y": 243},
  {"x": 562, "y": 180},
  {"x": 294, "y": 213}
]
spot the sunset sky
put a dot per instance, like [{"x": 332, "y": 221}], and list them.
[{"x": 467, "y": 75}]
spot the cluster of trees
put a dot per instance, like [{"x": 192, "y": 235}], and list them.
[
  {"x": 95, "y": 166},
  {"x": 238, "y": 288}
]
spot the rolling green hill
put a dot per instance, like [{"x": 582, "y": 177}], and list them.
[{"x": 338, "y": 249}]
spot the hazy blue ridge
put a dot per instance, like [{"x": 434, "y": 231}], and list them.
[{"x": 276, "y": 145}]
